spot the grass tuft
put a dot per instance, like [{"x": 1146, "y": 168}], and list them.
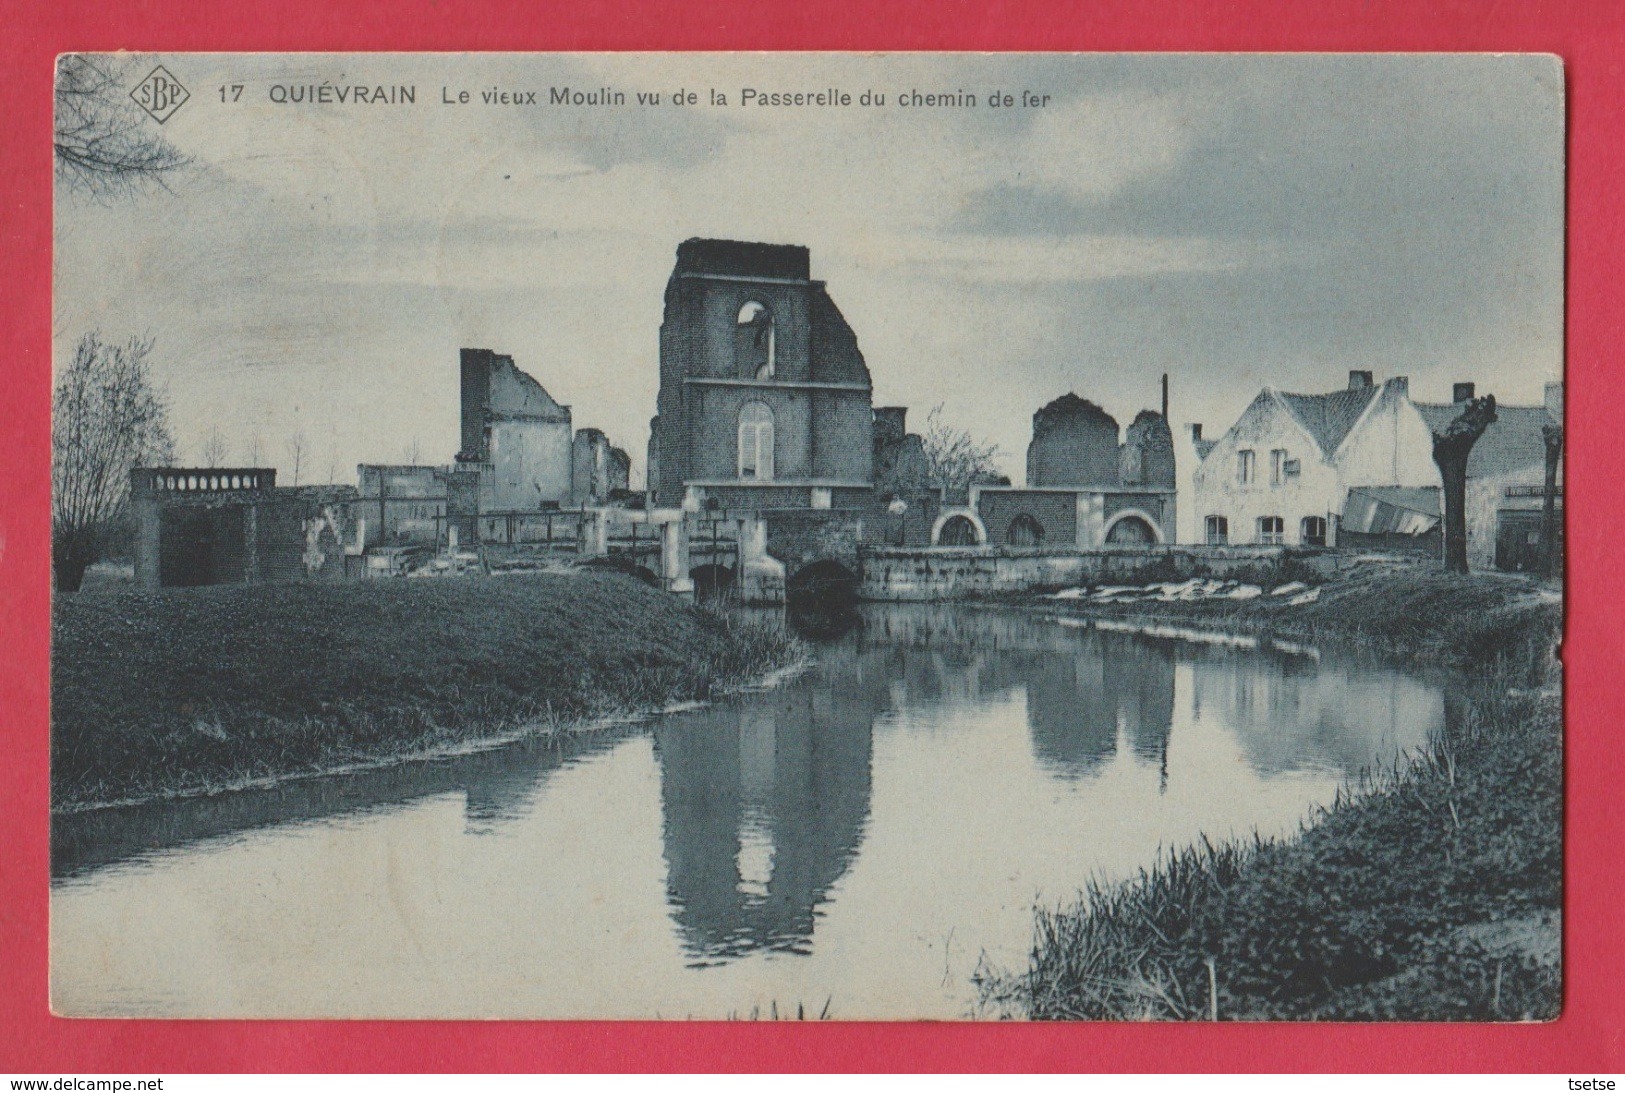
[{"x": 1430, "y": 891}]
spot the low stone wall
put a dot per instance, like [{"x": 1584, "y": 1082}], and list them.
[{"x": 948, "y": 573}]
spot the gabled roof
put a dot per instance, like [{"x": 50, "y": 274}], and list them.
[
  {"x": 1328, "y": 418},
  {"x": 1513, "y": 442}
]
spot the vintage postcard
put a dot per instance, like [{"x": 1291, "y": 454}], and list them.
[{"x": 809, "y": 536}]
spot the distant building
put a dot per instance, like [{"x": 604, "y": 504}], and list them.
[
  {"x": 514, "y": 427},
  {"x": 1084, "y": 488},
  {"x": 1506, "y": 476},
  {"x": 217, "y": 525},
  {"x": 1282, "y": 473},
  {"x": 764, "y": 394},
  {"x": 901, "y": 468},
  {"x": 416, "y": 505},
  {"x": 1074, "y": 444},
  {"x": 600, "y": 469}
]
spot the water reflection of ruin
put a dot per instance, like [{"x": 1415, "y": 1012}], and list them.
[
  {"x": 1291, "y": 713},
  {"x": 765, "y": 805},
  {"x": 1106, "y": 687}
]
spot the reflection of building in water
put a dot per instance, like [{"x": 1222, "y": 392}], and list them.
[
  {"x": 1110, "y": 684},
  {"x": 1294, "y": 714},
  {"x": 764, "y": 807}
]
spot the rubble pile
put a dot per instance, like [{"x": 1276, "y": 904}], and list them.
[{"x": 1293, "y": 593}]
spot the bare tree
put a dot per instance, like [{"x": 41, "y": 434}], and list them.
[
  {"x": 212, "y": 452},
  {"x": 332, "y": 465},
  {"x": 1450, "y": 451},
  {"x": 957, "y": 459},
  {"x": 414, "y": 452},
  {"x": 251, "y": 451},
  {"x": 105, "y": 144},
  {"x": 298, "y": 448},
  {"x": 107, "y": 416}
]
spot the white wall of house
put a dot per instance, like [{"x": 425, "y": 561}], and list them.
[
  {"x": 1187, "y": 521},
  {"x": 1264, "y": 427},
  {"x": 1389, "y": 446}
]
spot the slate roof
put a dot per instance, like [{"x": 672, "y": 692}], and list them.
[
  {"x": 1328, "y": 418},
  {"x": 1513, "y": 443}
]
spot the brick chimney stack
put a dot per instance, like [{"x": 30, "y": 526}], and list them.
[
  {"x": 1462, "y": 392},
  {"x": 1359, "y": 381}
]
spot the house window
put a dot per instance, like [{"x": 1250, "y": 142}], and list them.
[
  {"x": 1245, "y": 460},
  {"x": 1218, "y": 531},
  {"x": 1271, "y": 530},
  {"x": 1277, "y": 466},
  {"x": 755, "y": 441},
  {"x": 1291, "y": 468},
  {"x": 1312, "y": 532},
  {"x": 755, "y": 341}
]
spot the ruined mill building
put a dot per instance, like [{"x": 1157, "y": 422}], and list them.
[{"x": 765, "y": 399}]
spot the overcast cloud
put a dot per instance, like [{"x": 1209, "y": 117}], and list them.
[{"x": 1234, "y": 221}]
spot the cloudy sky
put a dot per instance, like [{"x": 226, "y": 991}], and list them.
[{"x": 1234, "y": 221}]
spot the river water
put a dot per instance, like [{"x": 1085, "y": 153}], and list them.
[{"x": 851, "y": 843}]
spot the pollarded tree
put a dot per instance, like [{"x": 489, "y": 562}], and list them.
[
  {"x": 107, "y": 416},
  {"x": 1451, "y": 449}
]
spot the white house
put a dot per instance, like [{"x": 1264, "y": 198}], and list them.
[{"x": 1283, "y": 471}]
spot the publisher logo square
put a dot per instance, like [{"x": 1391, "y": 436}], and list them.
[{"x": 160, "y": 94}]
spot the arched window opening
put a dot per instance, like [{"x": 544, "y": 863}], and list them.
[
  {"x": 958, "y": 531},
  {"x": 756, "y": 441},
  {"x": 755, "y": 341},
  {"x": 1130, "y": 530},
  {"x": 1271, "y": 531},
  {"x": 1218, "y": 531},
  {"x": 1025, "y": 531},
  {"x": 1312, "y": 531}
]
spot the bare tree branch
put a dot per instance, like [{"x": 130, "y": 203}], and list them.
[
  {"x": 298, "y": 448},
  {"x": 106, "y": 146},
  {"x": 107, "y": 416},
  {"x": 212, "y": 453},
  {"x": 956, "y": 458}
]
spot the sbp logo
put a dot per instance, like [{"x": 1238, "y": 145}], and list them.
[{"x": 160, "y": 94}]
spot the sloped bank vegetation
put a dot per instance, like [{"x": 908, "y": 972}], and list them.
[
  {"x": 188, "y": 691},
  {"x": 1428, "y": 893}
]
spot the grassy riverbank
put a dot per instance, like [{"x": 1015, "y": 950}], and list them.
[
  {"x": 189, "y": 690},
  {"x": 1430, "y": 894}
]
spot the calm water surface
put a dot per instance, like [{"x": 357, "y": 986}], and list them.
[{"x": 858, "y": 839}]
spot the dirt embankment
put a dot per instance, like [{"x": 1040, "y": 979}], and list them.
[{"x": 191, "y": 690}]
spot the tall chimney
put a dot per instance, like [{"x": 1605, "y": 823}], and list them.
[
  {"x": 1196, "y": 430},
  {"x": 1165, "y": 396},
  {"x": 1461, "y": 392},
  {"x": 1358, "y": 380}
]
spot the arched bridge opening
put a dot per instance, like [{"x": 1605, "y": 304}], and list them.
[
  {"x": 623, "y": 565},
  {"x": 823, "y": 581},
  {"x": 712, "y": 582}
]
